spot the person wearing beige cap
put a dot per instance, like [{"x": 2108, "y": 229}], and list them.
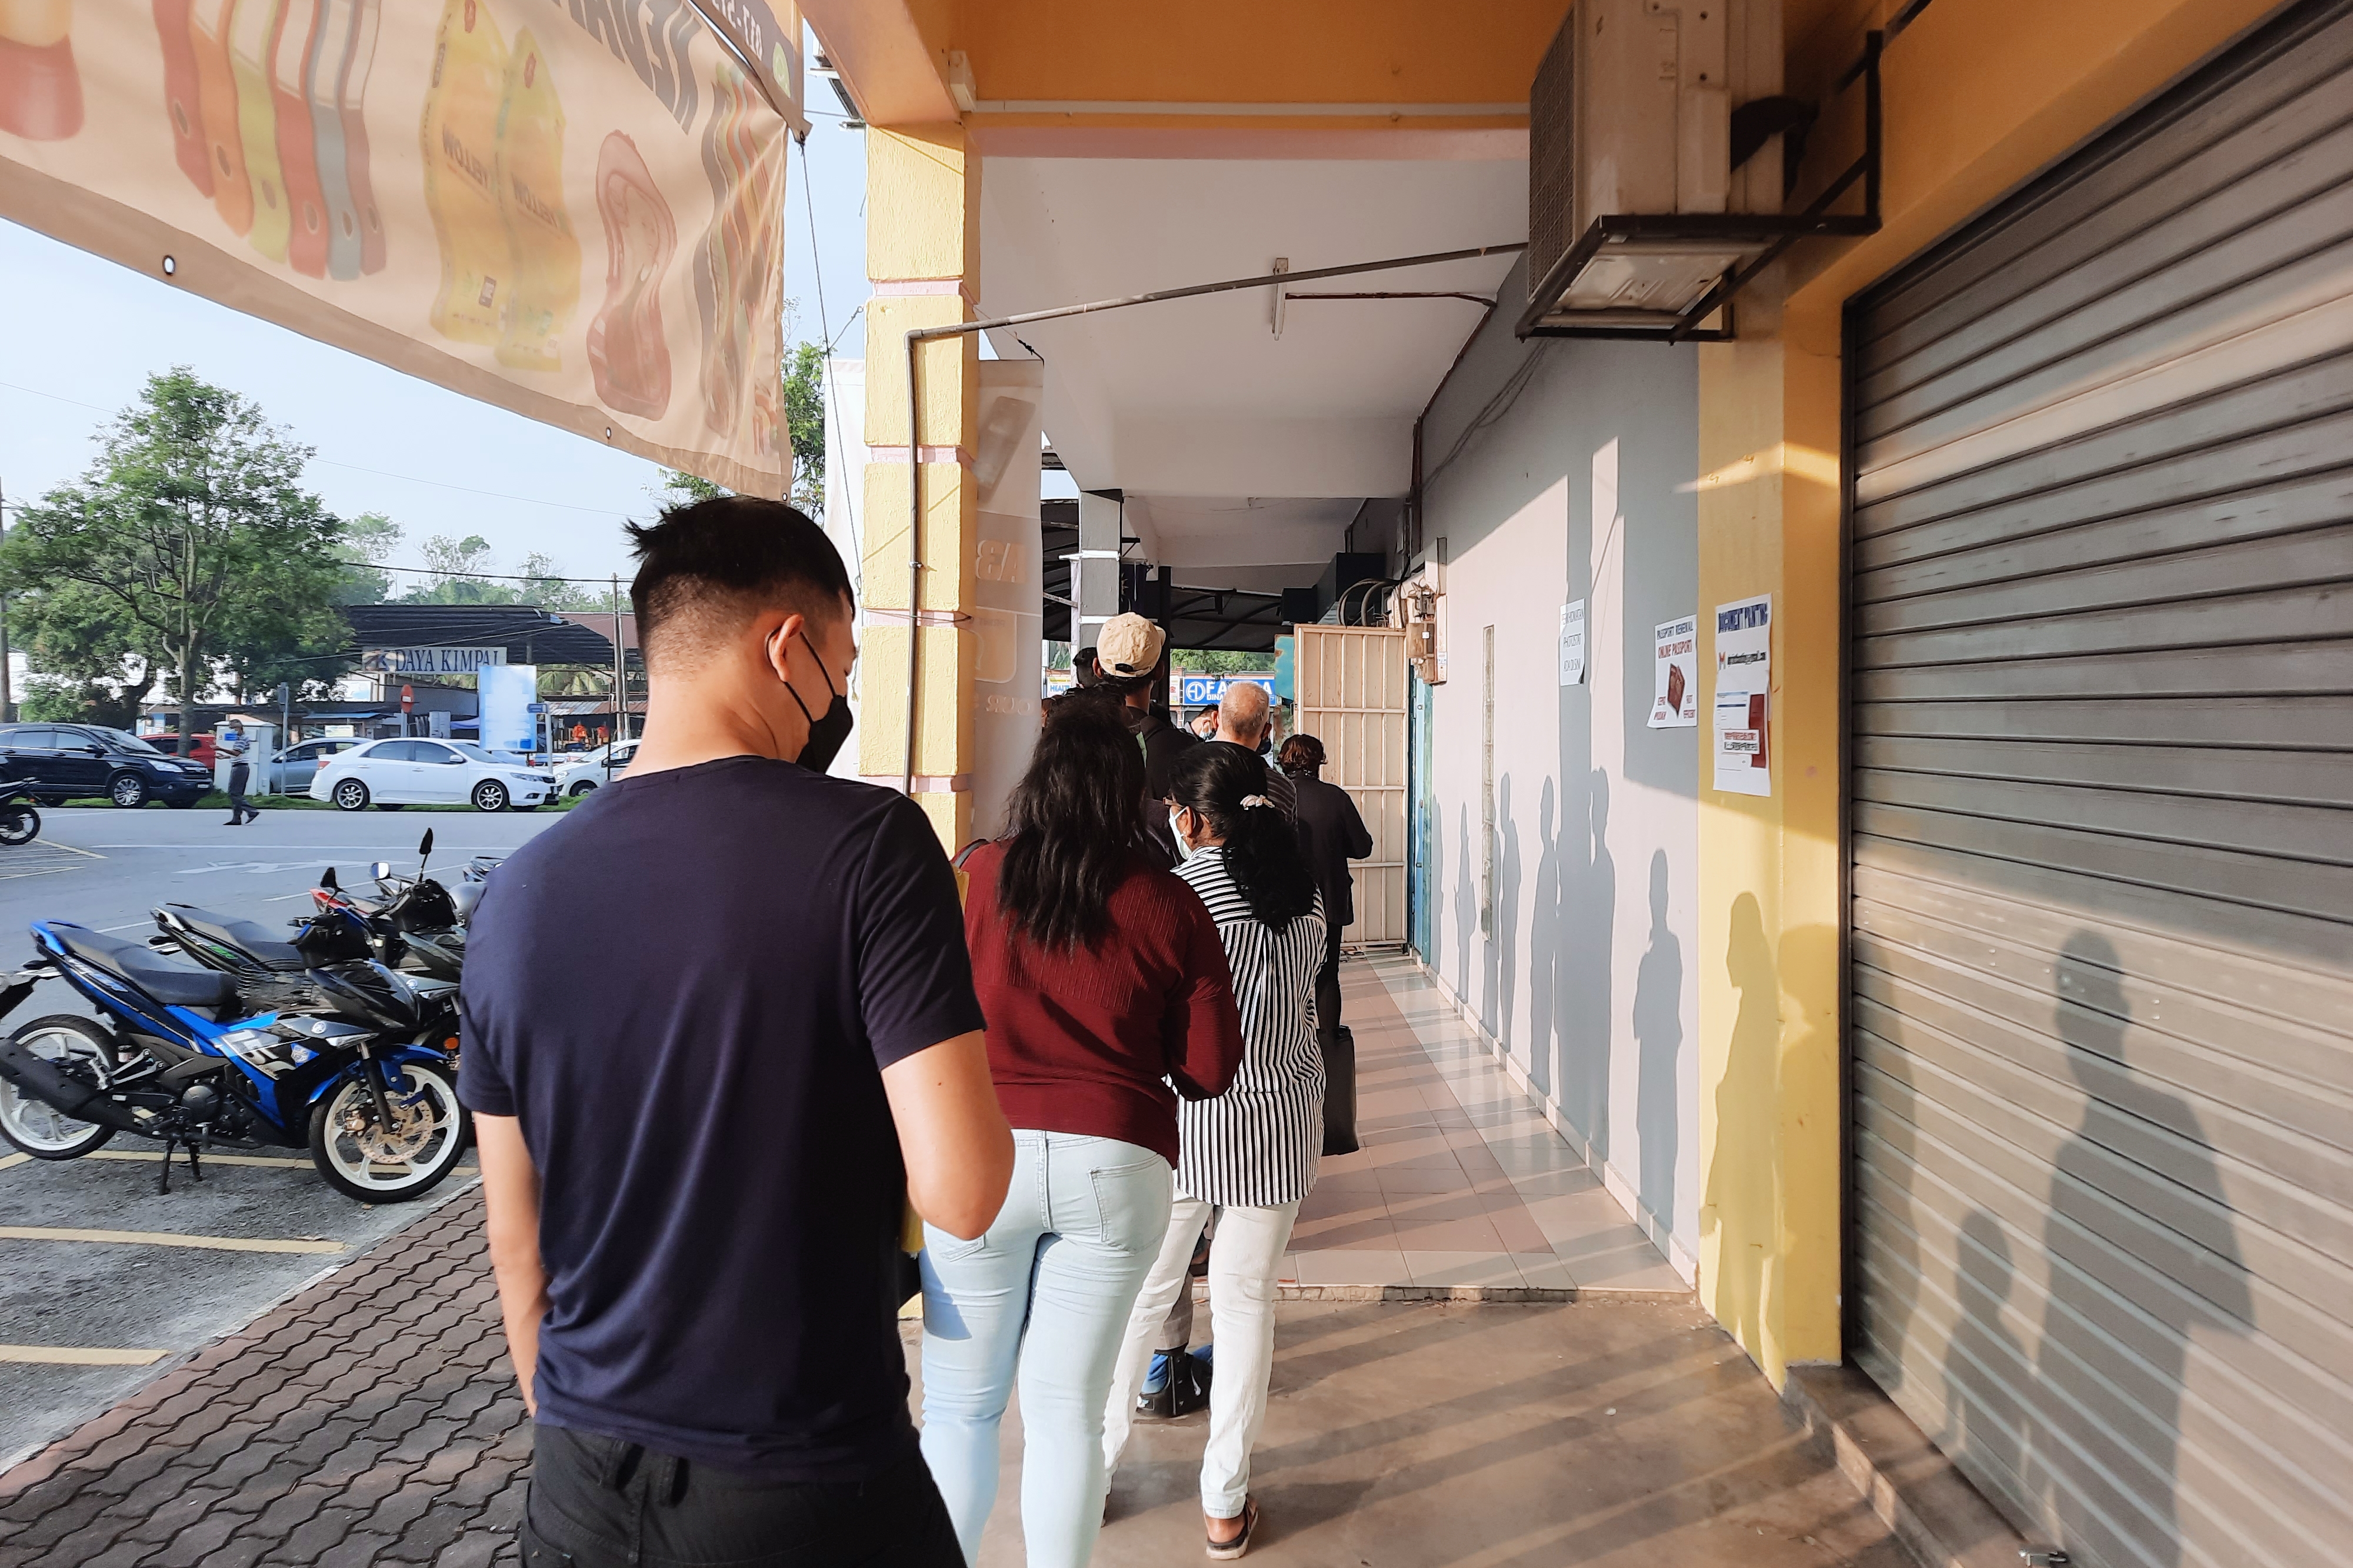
[{"x": 1127, "y": 659}]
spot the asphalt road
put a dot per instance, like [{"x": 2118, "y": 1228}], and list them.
[{"x": 83, "y": 1323}]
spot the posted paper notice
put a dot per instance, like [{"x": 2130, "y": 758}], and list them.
[
  {"x": 1572, "y": 643},
  {"x": 1675, "y": 703},
  {"x": 1744, "y": 683}
]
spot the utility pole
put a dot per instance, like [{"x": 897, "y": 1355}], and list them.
[{"x": 620, "y": 672}]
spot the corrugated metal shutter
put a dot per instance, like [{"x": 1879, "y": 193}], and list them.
[
  {"x": 2102, "y": 827},
  {"x": 1350, "y": 686}
]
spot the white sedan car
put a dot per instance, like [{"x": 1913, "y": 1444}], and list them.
[
  {"x": 579, "y": 772},
  {"x": 429, "y": 772}
]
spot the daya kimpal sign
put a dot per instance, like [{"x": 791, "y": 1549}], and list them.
[
  {"x": 429, "y": 660},
  {"x": 572, "y": 208}
]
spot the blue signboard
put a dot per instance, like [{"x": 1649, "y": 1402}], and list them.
[{"x": 1208, "y": 690}]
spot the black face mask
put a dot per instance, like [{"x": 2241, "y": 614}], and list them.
[{"x": 827, "y": 734}]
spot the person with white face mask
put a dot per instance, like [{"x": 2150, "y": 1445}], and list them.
[{"x": 1249, "y": 1155}]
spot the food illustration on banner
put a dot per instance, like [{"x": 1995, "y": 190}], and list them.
[
  {"x": 542, "y": 248},
  {"x": 736, "y": 271},
  {"x": 627, "y": 351},
  {"x": 40, "y": 86},
  {"x": 461, "y": 135}
]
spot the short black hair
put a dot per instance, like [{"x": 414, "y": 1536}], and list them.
[{"x": 705, "y": 567}]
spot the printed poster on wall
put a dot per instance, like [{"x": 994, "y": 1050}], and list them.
[
  {"x": 1675, "y": 703},
  {"x": 1008, "y": 623},
  {"x": 1572, "y": 643},
  {"x": 1744, "y": 682},
  {"x": 574, "y": 210}
]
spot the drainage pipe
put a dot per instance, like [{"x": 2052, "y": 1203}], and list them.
[{"x": 918, "y": 336}]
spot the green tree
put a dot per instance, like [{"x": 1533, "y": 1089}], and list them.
[
  {"x": 191, "y": 527},
  {"x": 97, "y": 664},
  {"x": 682, "y": 489},
  {"x": 366, "y": 543},
  {"x": 1221, "y": 661},
  {"x": 805, "y": 422}
]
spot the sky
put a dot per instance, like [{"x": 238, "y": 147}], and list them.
[{"x": 83, "y": 335}]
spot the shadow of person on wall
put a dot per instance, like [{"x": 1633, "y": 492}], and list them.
[
  {"x": 1659, "y": 1043},
  {"x": 1589, "y": 904},
  {"x": 1506, "y": 945},
  {"x": 2127, "y": 1117},
  {"x": 1544, "y": 947},
  {"x": 1985, "y": 1445},
  {"x": 1466, "y": 912},
  {"x": 1736, "y": 1209}
]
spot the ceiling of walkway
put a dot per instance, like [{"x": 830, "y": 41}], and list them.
[{"x": 1244, "y": 454}]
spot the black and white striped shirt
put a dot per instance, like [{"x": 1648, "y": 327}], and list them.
[{"x": 1255, "y": 1146}]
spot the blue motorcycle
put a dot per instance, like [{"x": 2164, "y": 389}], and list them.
[{"x": 348, "y": 1060}]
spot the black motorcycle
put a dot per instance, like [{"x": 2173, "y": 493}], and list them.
[{"x": 19, "y": 822}]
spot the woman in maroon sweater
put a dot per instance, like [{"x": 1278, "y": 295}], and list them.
[{"x": 1104, "y": 982}]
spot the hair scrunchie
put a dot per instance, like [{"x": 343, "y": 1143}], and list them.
[{"x": 1251, "y": 801}]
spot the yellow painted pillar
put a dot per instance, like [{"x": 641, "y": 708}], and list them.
[
  {"x": 923, "y": 248},
  {"x": 1769, "y": 987}
]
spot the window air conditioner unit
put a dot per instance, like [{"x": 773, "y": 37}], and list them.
[{"x": 1653, "y": 192}]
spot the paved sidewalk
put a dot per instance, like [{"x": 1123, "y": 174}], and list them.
[
  {"x": 372, "y": 1420},
  {"x": 1459, "y": 1182},
  {"x": 369, "y": 1420}
]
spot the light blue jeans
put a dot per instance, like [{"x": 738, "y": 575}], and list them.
[{"x": 1048, "y": 1288}]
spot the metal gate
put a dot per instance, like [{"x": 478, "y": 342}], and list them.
[
  {"x": 2102, "y": 827},
  {"x": 1350, "y": 685}
]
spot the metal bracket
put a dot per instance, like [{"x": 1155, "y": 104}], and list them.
[
  {"x": 1760, "y": 237},
  {"x": 2044, "y": 1557}
]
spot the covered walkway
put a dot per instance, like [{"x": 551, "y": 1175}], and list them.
[{"x": 1578, "y": 1408}]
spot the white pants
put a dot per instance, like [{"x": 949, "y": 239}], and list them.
[{"x": 1242, "y": 1269}]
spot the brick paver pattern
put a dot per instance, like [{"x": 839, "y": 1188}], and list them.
[{"x": 370, "y": 1419}]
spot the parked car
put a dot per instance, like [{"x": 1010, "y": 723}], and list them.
[
  {"x": 75, "y": 761},
  {"x": 202, "y": 750},
  {"x": 577, "y": 772},
  {"x": 291, "y": 770},
  {"x": 429, "y": 772}
]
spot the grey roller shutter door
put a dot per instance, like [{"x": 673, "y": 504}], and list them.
[{"x": 2101, "y": 1009}]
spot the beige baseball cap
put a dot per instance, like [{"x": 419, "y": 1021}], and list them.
[{"x": 1129, "y": 645}]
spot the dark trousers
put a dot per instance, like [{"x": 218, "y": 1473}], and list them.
[
  {"x": 1327, "y": 985},
  {"x": 239, "y": 775},
  {"x": 599, "y": 1503}
]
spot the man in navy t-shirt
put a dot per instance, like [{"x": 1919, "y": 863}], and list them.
[{"x": 718, "y": 1024}]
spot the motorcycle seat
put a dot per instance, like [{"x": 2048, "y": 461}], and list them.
[
  {"x": 251, "y": 936},
  {"x": 143, "y": 967}
]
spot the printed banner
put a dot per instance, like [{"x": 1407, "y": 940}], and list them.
[
  {"x": 436, "y": 188},
  {"x": 429, "y": 660},
  {"x": 1008, "y": 621},
  {"x": 1744, "y": 684},
  {"x": 1674, "y": 699}
]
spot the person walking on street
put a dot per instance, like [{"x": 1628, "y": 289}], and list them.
[
  {"x": 234, "y": 746},
  {"x": 1245, "y": 718},
  {"x": 698, "y": 1129},
  {"x": 1249, "y": 1154},
  {"x": 1104, "y": 983}
]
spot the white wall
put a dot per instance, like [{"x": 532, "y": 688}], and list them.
[{"x": 1575, "y": 480}]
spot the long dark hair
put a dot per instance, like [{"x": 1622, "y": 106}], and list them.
[
  {"x": 1071, "y": 825},
  {"x": 1261, "y": 847}
]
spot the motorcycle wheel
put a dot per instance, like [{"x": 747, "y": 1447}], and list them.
[
  {"x": 360, "y": 1162},
  {"x": 19, "y": 825},
  {"x": 37, "y": 1126}
]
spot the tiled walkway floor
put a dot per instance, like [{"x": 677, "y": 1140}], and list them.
[{"x": 1458, "y": 1181}]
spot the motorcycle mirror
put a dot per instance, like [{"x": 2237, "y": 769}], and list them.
[
  {"x": 380, "y": 870},
  {"x": 327, "y": 879},
  {"x": 425, "y": 844}
]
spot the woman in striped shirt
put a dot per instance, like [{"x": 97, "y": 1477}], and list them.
[{"x": 1249, "y": 1155}]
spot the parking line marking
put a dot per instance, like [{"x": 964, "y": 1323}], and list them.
[
  {"x": 77, "y": 1355},
  {"x": 165, "y": 1238},
  {"x": 8, "y": 1160},
  {"x": 209, "y": 1159}
]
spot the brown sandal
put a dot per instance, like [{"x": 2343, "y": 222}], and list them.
[{"x": 1226, "y": 1551}]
